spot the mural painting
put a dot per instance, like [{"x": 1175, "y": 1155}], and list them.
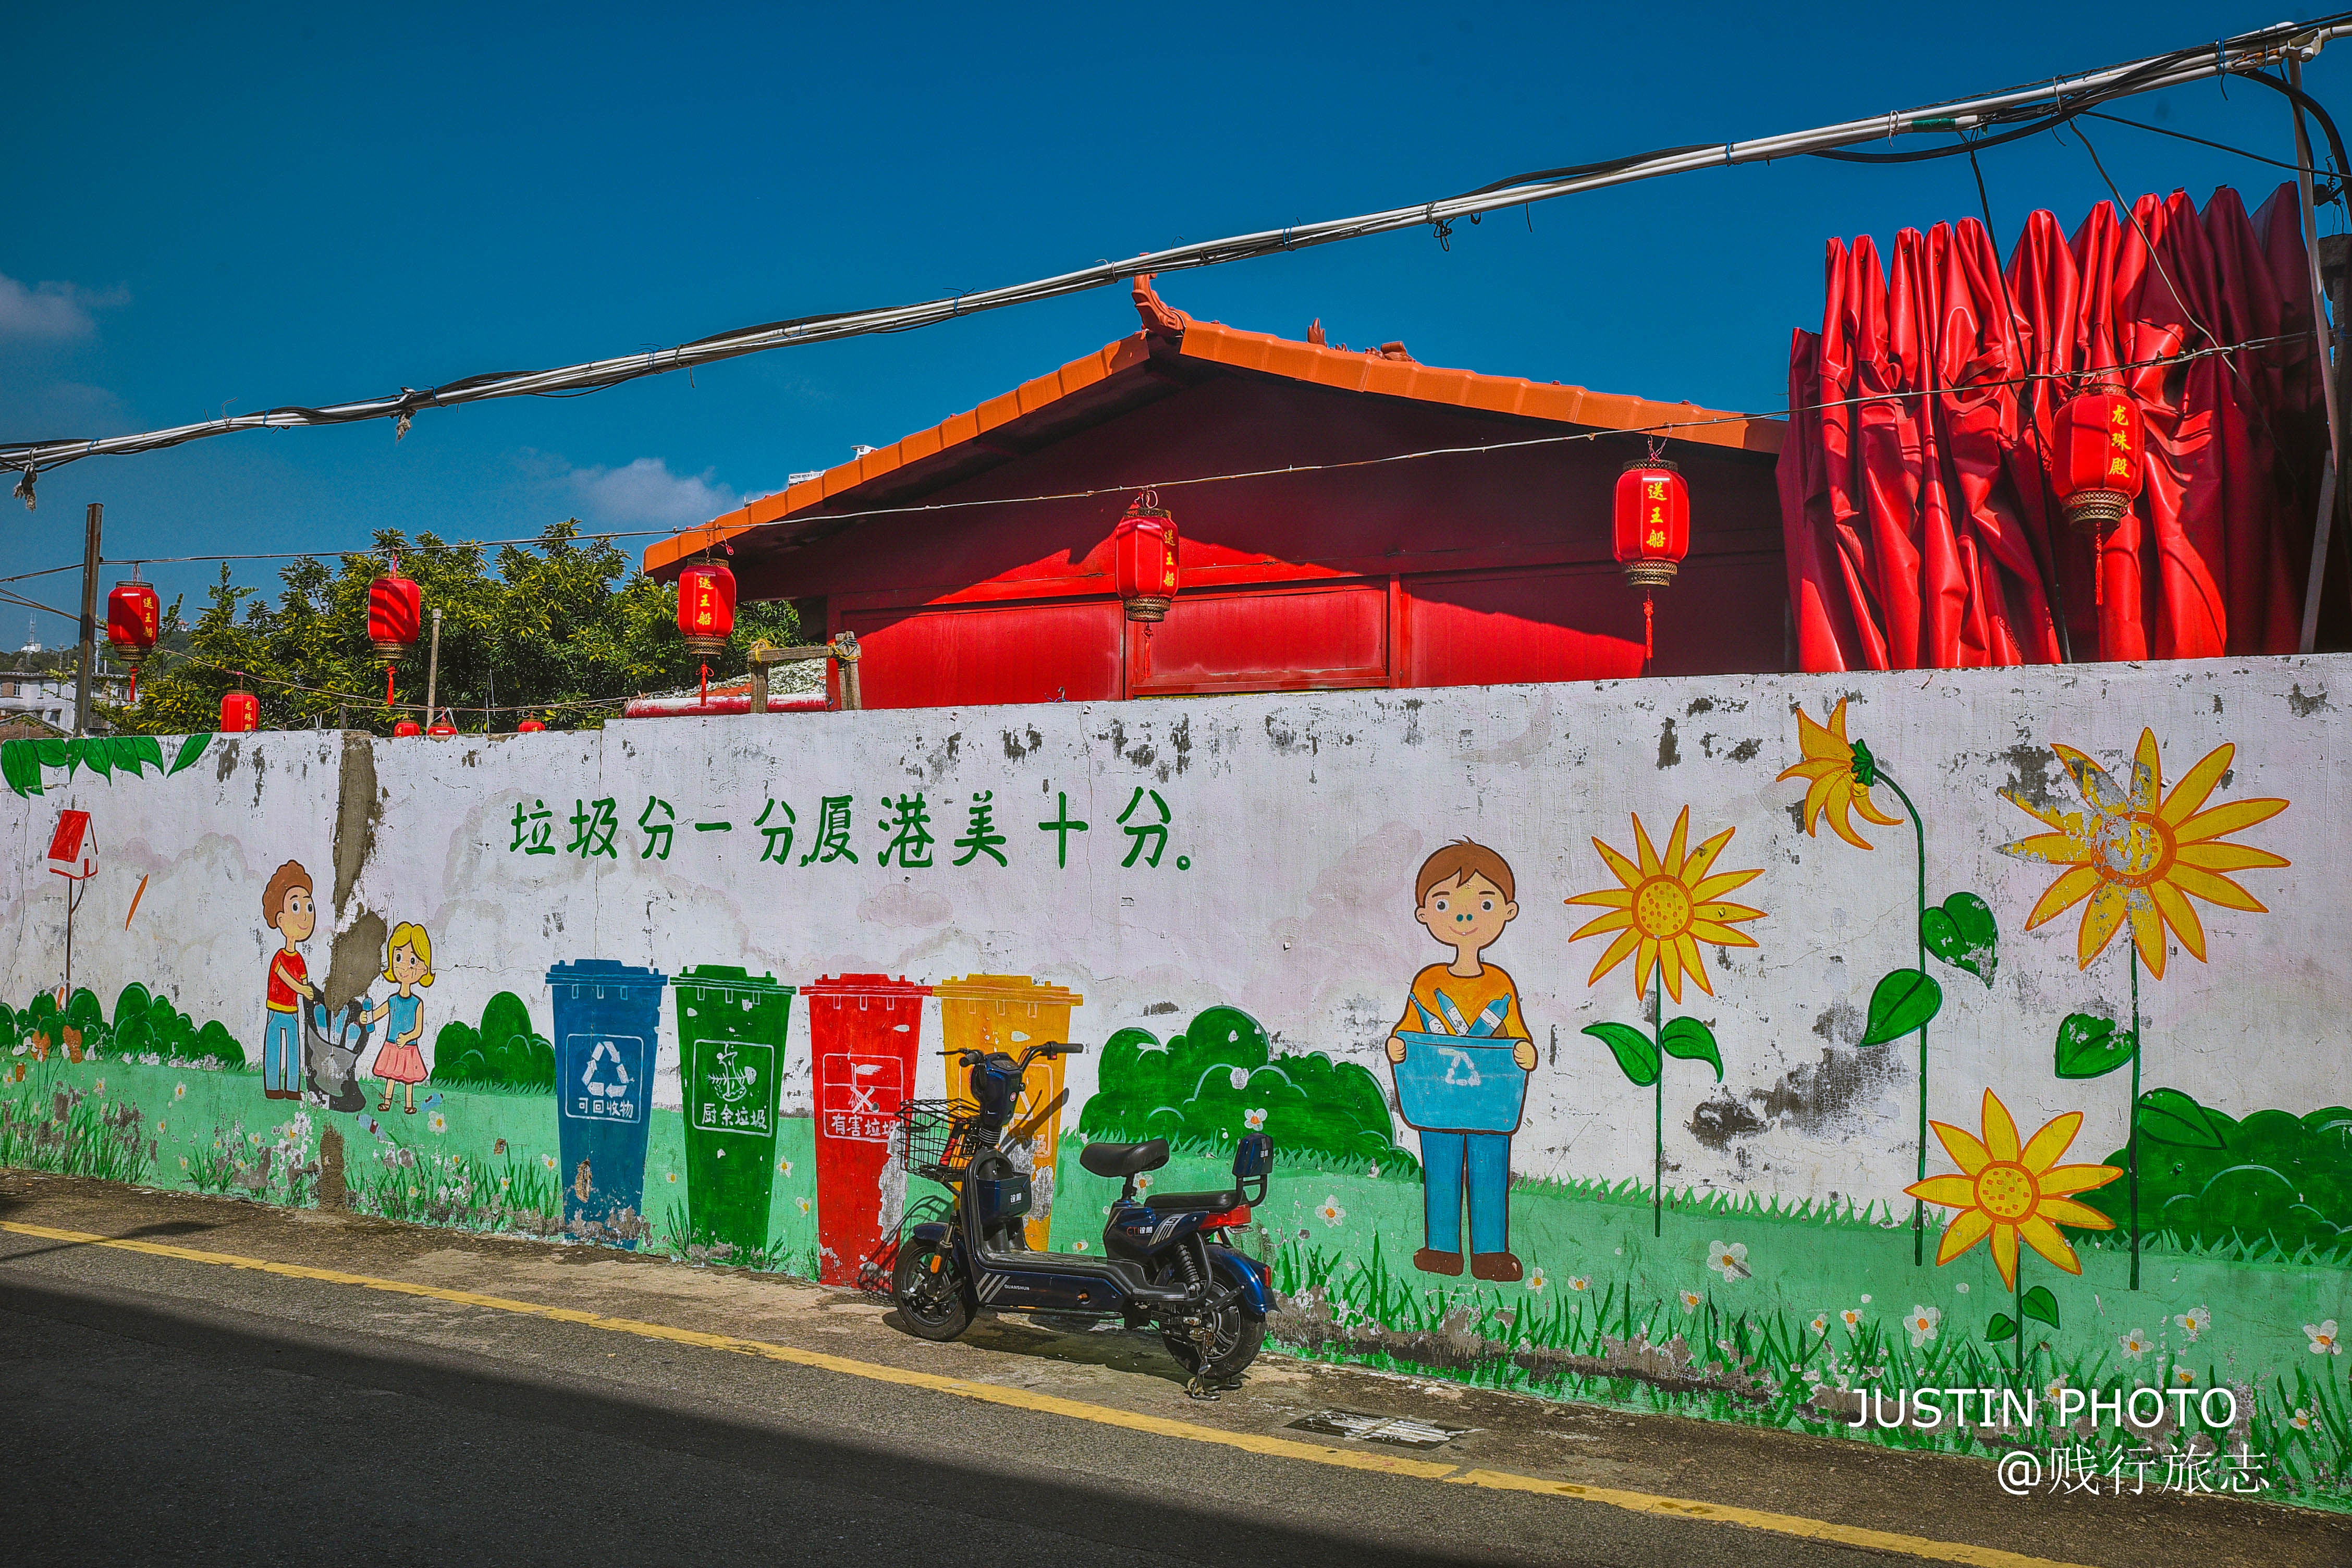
[{"x": 1460, "y": 1191}]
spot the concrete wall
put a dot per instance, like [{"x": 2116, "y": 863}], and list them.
[{"x": 1284, "y": 889}]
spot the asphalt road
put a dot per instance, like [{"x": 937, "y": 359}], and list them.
[{"x": 166, "y": 1409}]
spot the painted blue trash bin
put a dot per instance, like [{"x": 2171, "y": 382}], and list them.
[{"x": 607, "y": 1023}]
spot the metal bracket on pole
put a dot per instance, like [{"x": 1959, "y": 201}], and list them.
[{"x": 842, "y": 650}]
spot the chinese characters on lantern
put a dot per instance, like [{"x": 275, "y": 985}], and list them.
[{"x": 905, "y": 832}]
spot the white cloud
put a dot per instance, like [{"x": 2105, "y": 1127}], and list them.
[
  {"x": 647, "y": 494},
  {"x": 51, "y": 313}
]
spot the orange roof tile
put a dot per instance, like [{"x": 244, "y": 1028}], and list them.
[{"x": 1212, "y": 342}]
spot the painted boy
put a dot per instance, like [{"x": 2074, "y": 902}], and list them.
[
  {"x": 1464, "y": 896},
  {"x": 287, "y": 908}
]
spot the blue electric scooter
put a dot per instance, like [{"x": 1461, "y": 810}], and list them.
[{"x": 1166, "y": 1261}]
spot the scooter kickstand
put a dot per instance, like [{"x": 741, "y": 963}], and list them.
[{"x": 1201, "y": 1388}]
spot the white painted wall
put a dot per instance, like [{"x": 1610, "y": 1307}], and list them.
[{"x": 1303, "y": 819}]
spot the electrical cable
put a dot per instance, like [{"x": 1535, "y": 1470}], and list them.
[
  {"x": 2041, "y": 106},
  {"x": 2201, "y": 142}
]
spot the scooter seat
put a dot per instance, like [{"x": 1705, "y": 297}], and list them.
[
  {"x": 1216, "y": 1203},
  {"x": 1124, "y": 1159}
]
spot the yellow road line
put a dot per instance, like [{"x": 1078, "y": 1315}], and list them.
[{"x": 1102, "y": 1414}]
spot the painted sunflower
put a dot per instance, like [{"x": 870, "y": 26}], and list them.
[
  {"x": 1666, "y": 907},
  {"x": 2008, "y": 1192},
  {"x": 1838, "y": 774},
  {"x": 2141, "y": 853}
]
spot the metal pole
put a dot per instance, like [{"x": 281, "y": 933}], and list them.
[
  {"x": 433, "y": 666},
  {"x": 89, "y": 619},
  {"x": 844, "y": 648},
  {"x": 2332, "y": 483}
]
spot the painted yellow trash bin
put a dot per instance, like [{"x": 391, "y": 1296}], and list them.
[{"x": 1010, "y": 1013}]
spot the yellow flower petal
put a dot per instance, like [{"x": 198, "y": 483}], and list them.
[
  {"x": 1618, "y": 951},
  {"x": 2147, "y": 929},
  {"x": 2177, "y": 913},
  {"x": 1967, "y": 1227},
  {"x": 2195, "y": 784},
  {"x": 1645, "y": 964},
  {"x": 2005, "y": 1254},
  {"x": 1952, "y": 1192},
  {"x": 2043, "y": 1149},
  {"x": 1670, "y": 958},
  {"x": 2043, "y": 1237},
  {"x": 1617, "y": 920},
  {"x": 2147, "y": 773},
  {"x": 1710, "y": 888},
  {"x": 2056, "y": 849},
  {"x": 1726, "y": 913},
  {"x": 1677, "y": 843},
  {"x": 1961, "y": 1144},
  {"x": 2228, "y": 857},
  {"x": 1810, "y": 768},
  {"x": 1648, "y": 854},
  {"x": 1627, "y": 872},
  {"x": 2097, "y": 786},
  {"x": 1605, "y": 898},
  {"x": 2215, "y": 889},
  {"x": 1841, "y": 823},
  {"x": 2100, "y": 921},
  {"x": 1862, "y": 803},
  {"x": 1836, "y": 730},
  {"x": 2062, "y": 1179},
  {"x": 2061, "y": 895},
  {"x": 2066, "y": 1211},
  {"x": 2049, "y": 817},
  {"x": 2000, "y": 1130},
  {"x": 1695, "y": 870},
  {"x": 1721, "y": 936},
  {"x": 2230, "y": 817},
  {"x": 1687, "y": 950}
]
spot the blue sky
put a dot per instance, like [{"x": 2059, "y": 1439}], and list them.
[{"x": 237, "y": 206}]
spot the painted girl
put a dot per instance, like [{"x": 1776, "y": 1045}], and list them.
[{"x": 408, "y": 963}]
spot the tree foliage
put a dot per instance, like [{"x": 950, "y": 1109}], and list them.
[{"x": 558, "y": 622}]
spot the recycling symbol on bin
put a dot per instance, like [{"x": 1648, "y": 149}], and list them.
[
  {"x": 618, "y": 1088},
  {"x": 1461, "y": 1067}
]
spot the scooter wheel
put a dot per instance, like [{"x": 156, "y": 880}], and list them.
[
  {"x": 1234, "y": 1338},
  {"x": 928, "y": 1289}
]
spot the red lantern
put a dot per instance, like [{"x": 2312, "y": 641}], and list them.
[
  {"x": 444, "y": 727},
  {"x": 1143, "y": 560},
  {"x": 405, "y": 728},
  {"x": 706, "y": 606},
  {"x": 133, "y": 621},
  {"x": 1652, "y": 531},
  {"x": 395, "y": 610},
  {"x": 529, "y": 727},
  {"x": 241, "y": 713},
  {"x": 2097, "y": 460}
]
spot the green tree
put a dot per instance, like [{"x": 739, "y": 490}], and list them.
[{"x": 559, "y": 621}]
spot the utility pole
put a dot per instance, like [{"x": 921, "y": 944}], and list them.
[
  {"x": 89, "y": 620},
  {"x": 2329, "y": 345},
  {"x": 433, "y": 666}
]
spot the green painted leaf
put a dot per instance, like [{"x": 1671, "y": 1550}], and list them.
[
  {"x": 1635, "y": 1053},
  {"x": 2169, "y": 1116},
  {"x": 190, "y": 749},
  {"x": 2091, "y": 1046},
  {"x": 73, "y": 755},
  {"x": 136, "y": 753},
  {"x": 1692, "y": 1041},
  {"x": 2041, "y": 1305},
  {"x": 2000, "y": 1328},
  {"x": 1905, "y": 1000},
  {"x": 1962, "y": 932},
  {"x": 53, "y": 754},
  {"x": 92, "y": 752},
  {"x": 21, "y": 765}
]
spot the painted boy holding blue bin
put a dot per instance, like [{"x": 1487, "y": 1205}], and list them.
[{"x": 1464, "y": 896}]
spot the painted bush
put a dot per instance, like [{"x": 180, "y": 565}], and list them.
[
  {"x": 143, "y": 1026},
  {"x": 1220, "y": 1078},
  {"x": 504, "y": 1050},
  {"x": 2272, "y": 1180}
]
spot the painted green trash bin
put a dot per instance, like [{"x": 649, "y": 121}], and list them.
[{"x": 730, "y": 1046}]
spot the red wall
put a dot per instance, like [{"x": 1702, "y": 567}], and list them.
[{"x": 1457, "y": 570}]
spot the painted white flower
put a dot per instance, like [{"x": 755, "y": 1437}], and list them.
[
  {"x": 1142, "y": 1184},
  {"x": 1866, "y": 1298},
  {"x": 784, "y": 1167},
  {"x": 2300, "y": 1420},
  {"x": 1253, "y": 1118},
  {"x": 1078, "y": 1246},
  {"x": 102, "y": 1086},
  {"x": 2051, "y": 1390},
  {"x": 1851, "y": 1319},
  {"x": 1728, "y": 1259},
  {"x": 1820, "y": 1324},
  {"x": 803, "y": 1202},
  {"x": 2196, "y": 1320},
  {"x": 2135, "y": 1344},
  {"x": 1691, "y": 1301},
  {"x": 1331, "y": 1212},
  {"x": 1962, "y": 1287},
  {"x": 183, "y": 1161},
  {"x": 162, "y": 1127},
  {"x": 1374, "y": 1173},
  {"x": 1240, "y": 1076},
  {"x": 2184, "y": 1377},
  {"x": 439, "y": 1122},
  {"x": 1536, "y": 1281},
  {"x": 548, "y": 1161},
  {"x": 179, "y": 1091},
  {"x": 672, "y": 1176},
  {"x": 1922, "y": 1324},
  {"x": 1579, "y": 1283},
  {"x": 2322, "y": 1338}
]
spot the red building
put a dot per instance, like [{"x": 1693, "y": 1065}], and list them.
[{"x": 1372, "y": 565}]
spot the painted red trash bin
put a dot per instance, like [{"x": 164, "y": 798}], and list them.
[{"x": 865, "y": 1031}]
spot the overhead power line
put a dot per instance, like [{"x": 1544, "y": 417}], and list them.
[{"x": 1992, "y": 118}]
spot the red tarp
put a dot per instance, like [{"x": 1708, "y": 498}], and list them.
[{"x": 1921, "y": 531}]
